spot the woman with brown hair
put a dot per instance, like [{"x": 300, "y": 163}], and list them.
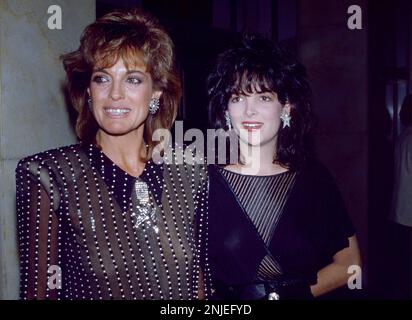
[{"x": 100, "y": 219}]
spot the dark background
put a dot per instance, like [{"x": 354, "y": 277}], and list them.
[{"x": 359, "y": 79}]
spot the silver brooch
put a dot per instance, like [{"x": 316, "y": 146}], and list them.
[{"x": 144, "y": 214}]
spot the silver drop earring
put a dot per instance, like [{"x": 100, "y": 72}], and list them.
[
  {"x": 228, "y": 122},
  {"x": 154, "y": 105},
  {"x": 89, "y": 103},
  {"x": 285, "y": 117}
]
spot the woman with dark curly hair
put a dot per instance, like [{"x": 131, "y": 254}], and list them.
[
  {"x": 100, "y": 219},
  {"x": 277, "y": 225}
]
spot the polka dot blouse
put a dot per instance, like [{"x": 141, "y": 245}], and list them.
[{"x": 88, "y": 230}]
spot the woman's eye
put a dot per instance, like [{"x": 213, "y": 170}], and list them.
[
  {"x": 265, "y": 98},
  {"x": 134, "y": 80},
  {"x": 100, "y": 79},
  {"x": 235, "y": 99}
]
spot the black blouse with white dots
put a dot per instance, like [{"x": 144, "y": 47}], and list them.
[{"x": 79, "y": 233}]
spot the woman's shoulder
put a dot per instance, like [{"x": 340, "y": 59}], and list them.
[
  {"x": 49, "y": 157},
  {"x": 182, "y": 159},
  {"x": 180, "y": 155},
  {"x": 315, "y": 171},
  {"x": 314, "y": 166}
]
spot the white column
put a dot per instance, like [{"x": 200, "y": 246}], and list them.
[{"x": 33, "y": 112}]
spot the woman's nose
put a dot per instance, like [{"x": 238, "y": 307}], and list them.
[
  {"x": 250, "y": 108},
  {"x": 117, "y": 91}
]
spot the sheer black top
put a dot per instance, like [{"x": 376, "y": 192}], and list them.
[
  {"x": 80, "y": 236},
  {"x": 297, "y": 219}
]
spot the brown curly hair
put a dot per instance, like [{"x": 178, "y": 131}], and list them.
[{"x": 127, "y": 35}]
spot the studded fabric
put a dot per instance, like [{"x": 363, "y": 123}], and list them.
[{"x": 75, "y": 214}]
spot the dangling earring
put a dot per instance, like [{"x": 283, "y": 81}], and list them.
[
  {"x": 285, "y": 117},
  {"x": 228, "y": 122},
  {"x": 89, "y": 103},
  {"x": 154, "y": 105}
]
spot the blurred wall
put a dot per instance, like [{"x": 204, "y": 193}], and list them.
[
  {"x": 33, "y": 111},
  {"x": 390, "y": 44},
  {"x": 336, "y": 59}
]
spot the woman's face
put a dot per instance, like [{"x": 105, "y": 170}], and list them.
[
  {"x": 256, "y": 118},
  {"x": 121, "y": 97}
]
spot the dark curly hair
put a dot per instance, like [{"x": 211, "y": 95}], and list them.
[{"x": 257, "y": 65}]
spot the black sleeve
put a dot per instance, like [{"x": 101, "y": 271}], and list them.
[
  {"x": 335, "y": 222},
  {"x": 37, "y": 230}
]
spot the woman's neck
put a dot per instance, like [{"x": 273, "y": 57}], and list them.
[
  {"x": 257, "y": 160},
  {"x": 126, "y": 151}
]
